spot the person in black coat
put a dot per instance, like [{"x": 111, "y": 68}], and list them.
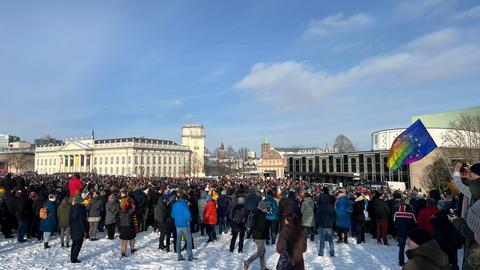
[
  {"x": 325, "y": 216},
  {"x": 358, "y": 217},
  {"x": 259, "y": 235},
  {"x": 237, "y": 222},
  {"x": 6, "y": 216},
  {"x": 160, "y": 215},
  {"x": 141, "y": 202},
  {"x": 22, "y": 211},
  {"x": 404, "y": 221},
  {"x": 445, "y": 233},
  {"x": 78, "y": 216}
]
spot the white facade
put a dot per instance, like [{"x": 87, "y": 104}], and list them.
[
  {"x": 383, "y": 139},
  {"x": 193, "y": 136},
  {"x": 127, "y": 156}
]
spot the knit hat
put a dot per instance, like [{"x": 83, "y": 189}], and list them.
[
  {"x": 419, "y": 235},
  {"x": 77, "y": 199},
  {"x": 443, "y": 204},
  {"x": 262, "y": 205},
  {"x": 475, "y": 168},
  {"x": 473, "y": 218},
  {"x": 241, "y": 200}
]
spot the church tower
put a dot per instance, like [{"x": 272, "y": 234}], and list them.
[
  {"x": 265, "y": 147},
  {"x": 193, "y": 136}
]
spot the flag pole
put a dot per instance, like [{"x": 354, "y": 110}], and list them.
[{"x": 446, "y": 163}]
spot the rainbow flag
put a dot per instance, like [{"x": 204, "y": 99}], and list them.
[{"x": 411, "y": 145}]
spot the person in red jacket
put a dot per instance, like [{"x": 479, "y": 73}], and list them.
[
  {"x": 425, "y": 214},
  {"x": 210, "y": 218},
  {"x": 75, "y": 185}
]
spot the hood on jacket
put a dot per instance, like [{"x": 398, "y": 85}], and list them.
[{"x": 429, "y": 251}]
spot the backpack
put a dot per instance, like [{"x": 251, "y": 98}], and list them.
[
  {"x": 285, "y": 262},
  {"x": 250, "y": 221},
  {"x": 238, "y": 216},
  {"x": 43, "y": 214}
]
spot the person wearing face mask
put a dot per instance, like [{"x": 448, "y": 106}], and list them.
[{"x": 424, "y": 252}]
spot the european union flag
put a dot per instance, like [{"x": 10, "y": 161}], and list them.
[{"x": 411, "y": 145}]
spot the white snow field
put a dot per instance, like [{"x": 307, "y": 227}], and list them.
[{"x": 105, "y": 254}]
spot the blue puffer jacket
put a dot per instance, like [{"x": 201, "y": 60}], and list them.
[
  {"x": 50, "y": 223},
  {"x": 343, "y": 210},
  {"x": 274, "y": 214},
  {"x": 181, "y": 214}
]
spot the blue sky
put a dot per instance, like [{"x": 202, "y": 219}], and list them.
[{"x": 298, "y": 72}]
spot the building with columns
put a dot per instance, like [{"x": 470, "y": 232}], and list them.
[
  {"x": 193, "y": 136},
  {"x": 123, "y": 156}
]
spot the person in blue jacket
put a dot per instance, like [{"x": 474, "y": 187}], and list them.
[
  {"x": 272, "y": 217},
  {"x": 343, "y": 208},
  {"x": 181, "y": 215},
  {"x": 48, "y": 225},
  {"x": 78, "y": 216}
]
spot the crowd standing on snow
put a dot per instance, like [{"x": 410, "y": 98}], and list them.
[{"x": 278, "y": 212}]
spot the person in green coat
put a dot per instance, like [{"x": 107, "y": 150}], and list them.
[
  {"x": 424, "y": 252},
  {"x": 63, "y": 216}
]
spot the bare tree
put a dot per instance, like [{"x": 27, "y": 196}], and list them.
[
  {"x": 344, "y": 144},
  {"x": 230, "y": 152},
  {"x": 19, "y": 161},
  {"x": 464, "y": 135},
  {"x": 436, "y": 176}
]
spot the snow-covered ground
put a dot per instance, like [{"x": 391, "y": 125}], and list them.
[{"x": 105, "y": 254}]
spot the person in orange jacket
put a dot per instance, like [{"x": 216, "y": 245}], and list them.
[{"x": 210, "y": 218}]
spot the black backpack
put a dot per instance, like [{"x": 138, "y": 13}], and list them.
[{"x": 238, "y": 215}]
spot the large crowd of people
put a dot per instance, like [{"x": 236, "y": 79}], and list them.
[{"x": 282, "y": 212}]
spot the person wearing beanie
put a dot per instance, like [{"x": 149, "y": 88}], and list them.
[
  {"x": 445, "y": 233},
  {"x": 237, "y": 224},
  {"x": 49, "y": 224},
  {"x": 424, "y": 252},
  {"x": 63, "y": 215},
  {"x": 223, "y": 204},
  {"x": 78, "y": 217},
  {"x": 259, "y": 229}
]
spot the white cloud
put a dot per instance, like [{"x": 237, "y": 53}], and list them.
[
  {"x": 338, "y": 23},
  {"x": 177, "y": 102},
  {"x": 445, "y": 54},
  {"x": 188, "y": 115},
  {"x": 413, "y": 9},
  {"x": 473, "y": 12}
]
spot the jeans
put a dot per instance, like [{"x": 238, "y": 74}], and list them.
[
  {"x": 188, "y": 237},
  {"x": 401, "y": 249},
  {"x": 65, "y": 232},
  {"x": 259, "y": 254},
  {"x": 46, "y": 236},
  {"x": 76, "y": 246},
  {"x": 22, "y": 228},
  {"x": 222, "y": 225},
  {"x": 326, "y": 234},
  {"x": 240, "y": 240},
  {"x": 272, "y": 231}
]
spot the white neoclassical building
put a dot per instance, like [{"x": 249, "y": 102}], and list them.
[{"x": 123, "y": 156}]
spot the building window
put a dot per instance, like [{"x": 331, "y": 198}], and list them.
[
  {"x": 106, "y": 160},
  {"x": 129, "y": 160},
  {"x": 95, "y": 160},
  {"x": 123, "y": 160},
  {"x": 118, "y": 160},
  {"x": 148, "y": 160},
  {"x": 123, "y": 171},
  {"x": 136, "y": 162},
  {"x": 142, "y": 160},
  {"x": 353, "y": 163},
  {"x": 111, "y": 170},
  {"x": 111, "y": 160}
]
